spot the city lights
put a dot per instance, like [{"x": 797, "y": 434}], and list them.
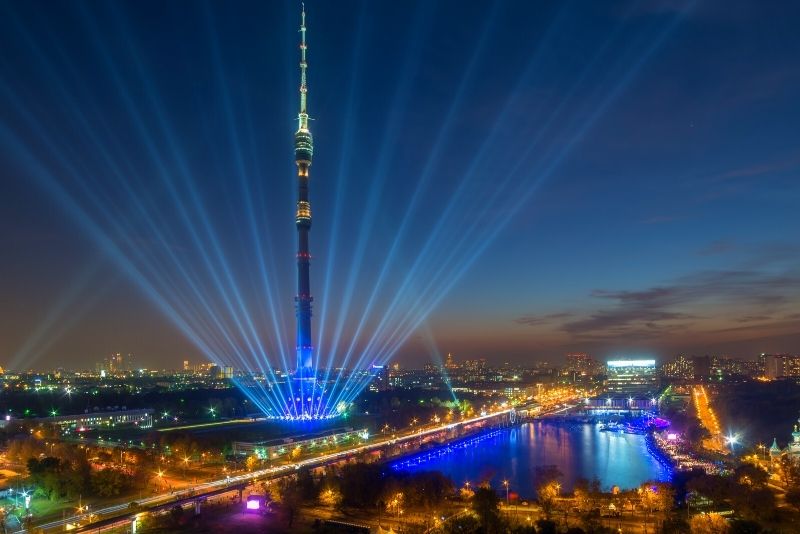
[{"x": 553, "y": 250}]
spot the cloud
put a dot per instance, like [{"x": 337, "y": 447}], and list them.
[
  {"x": 664, "y": 310},
  {"x": 760, "y": 256},
  {"x": 753, "y": 318},
  {"x": 664, "y": 219},
  {"x": 714, "y": 248},
  {"x": 536, "y": 320},
  {"x": 758, "y": 170}
]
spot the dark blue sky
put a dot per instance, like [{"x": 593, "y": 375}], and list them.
[{"x": 508, "y": 181}]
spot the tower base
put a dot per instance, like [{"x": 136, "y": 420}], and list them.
[{"x": 305, "y": 400}]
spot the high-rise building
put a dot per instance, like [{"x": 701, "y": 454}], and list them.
[
  {"x": 681, "y": 368},
  {"x": 449, "y": 363},
  {"x": 214, "y": 371},
  {"x": 762, "y": 364},
  {"x": 723, "y": 367},
  {"x": 581, "y": 364},
  {"x": 782, "y": 366}
]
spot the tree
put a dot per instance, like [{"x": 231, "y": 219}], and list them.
[
  {"x": 546, "y": 526},
  {"x": 580, "y": 493},
  {"x": 176, "y": 514},
  {"x": 465, "y": 524},
  {"x": 428, "y": 488},
  {"x": 252, "y": 462},
  {"x": 756, "y": 504},
  {"x": 675, "y": 523},
  {"x": 466, "y": 493},
  {"x": 53, "y": 478},
  {"x": 751, "y": 475},
  {"x": 708, "y": 524},
  {"x": 109, "y": 482},
  {"x": 696, "y": 433},
  {"x": 546, "y": 474},
  {"x": 744, "y": 526},
  {"x": 547, "y": 495},
  {"x": 662, "y": 496},
  {"x": 330, "y": 497},
  {"x": 20, "y": 450},
  {"x": 789, "y": 471},
  {"x": 793, "y": 497},
  {"x": 142, "y": 474},
  {"x": 394, "y": 501},
  {"x": 73, "y": 482},
  {"x": 291, "y": 500},
  {"x": 714, "y": 487},
  {"x": 592, "y": 521},
  {"x": 305, "y": 485},
  {"x": 545, "y": 480},
  {"x": 485, "y": 505},
  {"x": 595, "y": 491},
  {"x": 361, "y": 485}
]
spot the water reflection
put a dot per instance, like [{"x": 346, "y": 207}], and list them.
[{"x": 579, "y": 451}]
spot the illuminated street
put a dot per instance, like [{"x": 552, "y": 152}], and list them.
[{"x": 716, "y": 441}]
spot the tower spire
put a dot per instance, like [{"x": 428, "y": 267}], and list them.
[{"x": 302, "y": 118}]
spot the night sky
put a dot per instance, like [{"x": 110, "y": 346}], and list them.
[{"x": 510, "y": 181}]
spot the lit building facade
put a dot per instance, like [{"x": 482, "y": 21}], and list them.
[
  {"x": 632, "y": 377},
  {"x": 681, "y": 368},
  {"x": 581, "y": 364},
  {"x": 781, "y": 366}
]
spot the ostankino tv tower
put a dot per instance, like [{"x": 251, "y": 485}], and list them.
[{"x": 303, "y": 151}]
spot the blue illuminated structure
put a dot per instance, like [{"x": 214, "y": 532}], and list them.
[
  {"x": 303, "y": 152},
  {"x": 305, "y": 392}
]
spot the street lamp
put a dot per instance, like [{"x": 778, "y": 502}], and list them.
[
  {"x": 26, "y": 495},
  {"x": 505, "y": 483},
  {"x": 732, "y": 440}
]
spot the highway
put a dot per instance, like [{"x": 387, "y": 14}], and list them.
[{"x": 233, "y": 482}]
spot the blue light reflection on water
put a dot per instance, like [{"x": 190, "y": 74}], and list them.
[{"x": 579, "y": 451}]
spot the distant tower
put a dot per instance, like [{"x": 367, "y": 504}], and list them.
[{"x": 303, "y": 151}]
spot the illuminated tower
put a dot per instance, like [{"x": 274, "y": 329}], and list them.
[{"x": 303, "y": 151}]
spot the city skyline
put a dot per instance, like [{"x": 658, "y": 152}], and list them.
[{"x": 507, "y": 181}]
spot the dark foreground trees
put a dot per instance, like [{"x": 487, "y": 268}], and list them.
[{"x": 485, "y": 505}]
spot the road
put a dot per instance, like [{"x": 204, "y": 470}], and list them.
[
  {"x": 272, "y": 472},
  {"x": 709, "y": 420}
]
